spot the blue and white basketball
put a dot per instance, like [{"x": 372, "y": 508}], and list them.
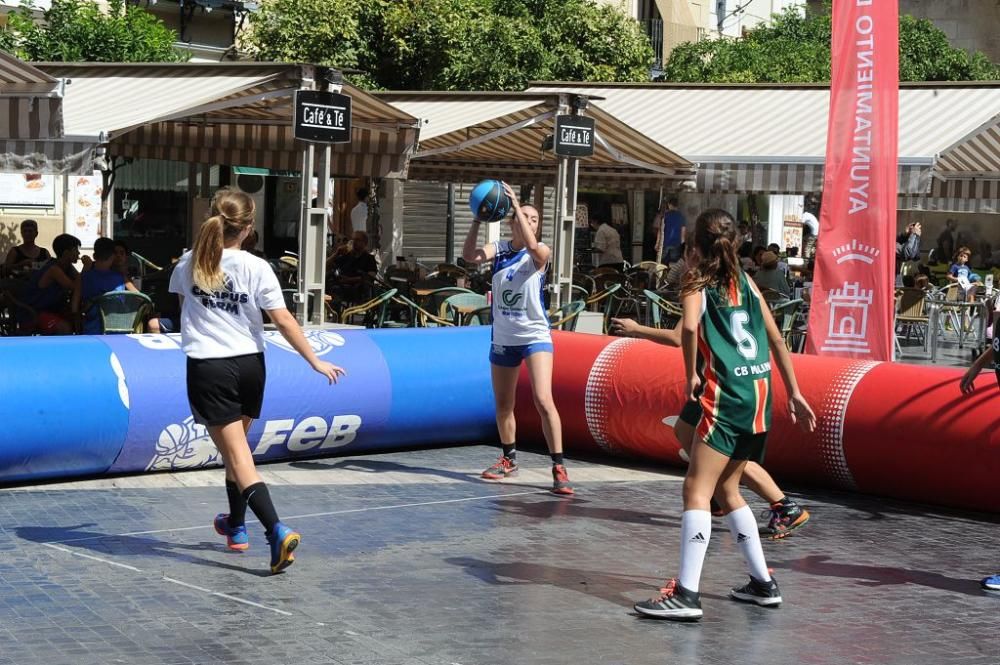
[{"x": 488, "y": 201}]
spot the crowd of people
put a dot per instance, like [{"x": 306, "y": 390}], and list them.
[{"x": 48, "y": 294}]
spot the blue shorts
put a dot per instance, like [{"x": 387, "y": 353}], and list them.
[{"x": 511, "y": 356}]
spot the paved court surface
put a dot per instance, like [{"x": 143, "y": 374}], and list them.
[{"x": 408, "y": 558}]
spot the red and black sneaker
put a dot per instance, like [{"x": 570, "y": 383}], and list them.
[
  {"x": 504, "y": 468},
  {"x": 560, "y": 480},
  {"x": 785, "y": 518}
]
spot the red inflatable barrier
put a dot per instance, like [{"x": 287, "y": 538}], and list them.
[{"x": 893, "y": 429}]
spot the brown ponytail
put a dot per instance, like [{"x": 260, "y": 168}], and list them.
[
  {"x": 232, "y": 212},
  {"x": 712, "y": 261}
]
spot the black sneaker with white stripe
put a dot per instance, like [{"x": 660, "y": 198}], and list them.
[
  {"x": 674, "y": 602},
  {"x": 761, "y": 593}
]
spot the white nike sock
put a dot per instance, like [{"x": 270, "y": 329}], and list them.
[
  {"x": 696, "y": 531},
  {"x": 743, "y": 526}
]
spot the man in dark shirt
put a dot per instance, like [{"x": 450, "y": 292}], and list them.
[{"x": 353, "y": 271}]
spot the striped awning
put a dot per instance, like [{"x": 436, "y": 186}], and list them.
[
  {"x": 957, "y": 195},
  {"x": 471, "y": 136},
  {"x": 369, "y": 154},
  {"x": 790, "y": 178},
  {"x": 230, "y": 113},
  {"x": 30, "y": 102},
  {"x": 744, "y": 135},
  {"x": 53, "y": 156},
  {"x": 977, "y": 153}
]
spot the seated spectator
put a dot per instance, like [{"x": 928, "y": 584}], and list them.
[
  {"x": 752, "y": 263},
  {"x": 776, "y": 250},
  {"x": 961, "y": 273},
  {"x": 353, "y": 271},
  {"x": 122, "y": 261},
  {"x": 99, "y": 278},
  {"x": 770, "y": 277},
  {"x": 47, "y": 294},
  {"x": 27, "y": 256}
]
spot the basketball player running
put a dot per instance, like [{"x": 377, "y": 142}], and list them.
[
  {"x": 222, "y": 291},
  {"x": 726, "y": 334},
  {"x": 785, "y": 514},
  {"x": 520, "y": 334}
]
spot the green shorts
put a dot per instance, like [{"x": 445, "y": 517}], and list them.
[{"x": 734, "y": 444}]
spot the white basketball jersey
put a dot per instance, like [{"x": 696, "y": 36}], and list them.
[{"x": 519, "y": 316}]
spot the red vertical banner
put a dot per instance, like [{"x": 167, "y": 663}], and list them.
[{"x": 851, "y": 311}]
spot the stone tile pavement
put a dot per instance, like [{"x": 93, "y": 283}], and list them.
[{"x": 408, "y": 558}]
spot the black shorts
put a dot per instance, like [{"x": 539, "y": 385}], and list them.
[{"x": 223, "y": 390}]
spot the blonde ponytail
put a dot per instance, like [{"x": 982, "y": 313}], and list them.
[
  {"x": 206, "y": 259},
  {"x": 231, "y": 214}
]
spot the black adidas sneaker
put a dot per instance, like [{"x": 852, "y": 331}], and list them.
[
  {"x": 674, "y": 602},
  {"x": 761, "y": 593}
]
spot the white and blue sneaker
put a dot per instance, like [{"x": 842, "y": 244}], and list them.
[{"x": 991, "y": 583}]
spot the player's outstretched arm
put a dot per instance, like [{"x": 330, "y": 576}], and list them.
[
  {"x": 290, "y": 330},
  {"x": 630, "y": 328},
  {"x": 968, "y": 381}
]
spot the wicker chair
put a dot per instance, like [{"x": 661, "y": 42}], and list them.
[{"x": 122, "y": 312}]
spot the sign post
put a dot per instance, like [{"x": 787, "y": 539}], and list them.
[
  {"x": 321, "y": 117},
  {"x": 574, "y": 138}
]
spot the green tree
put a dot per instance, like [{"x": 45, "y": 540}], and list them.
[
  {"x": 457, "y": 44},
  {"x": 78, "y": 30},
  {"x": 324, "y": 32},
  {"x": 795, "y": 48}
]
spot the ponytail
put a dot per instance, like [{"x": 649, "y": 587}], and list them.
[
  {"x": 232, "y": 213},
  {"x": 713, "y": 260},
  {"x": 206, "y": 259}
]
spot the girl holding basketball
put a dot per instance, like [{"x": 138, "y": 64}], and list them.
[
  {"x": 520, "y": 334},
  {"x": 727, "y": 338},
  {"x": 222, "y": 291}
]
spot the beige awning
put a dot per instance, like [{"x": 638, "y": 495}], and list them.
[
  {"x": 232, "y": 113},
  {"x": 30, "y": 102},
  {"x": 470, "y": 136},
  {"x": 772, "y": 138},
  {"x": 976, "y": 154}
]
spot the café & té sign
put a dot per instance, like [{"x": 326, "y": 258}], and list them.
[
  {"x": 574, "y": 136},
  {"x": 322, "y": 117}
]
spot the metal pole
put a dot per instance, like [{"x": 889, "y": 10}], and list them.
[
  {"x": 449, "y": 253},
  {"x": 302, "y": 282},
  {"x": 563, "y": 233},
  {"x": 318, "y": 232}
]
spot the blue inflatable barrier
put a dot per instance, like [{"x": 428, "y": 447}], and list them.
[
  {"x": 64, "y": 407},
  {"x": 118, "y": 404}
]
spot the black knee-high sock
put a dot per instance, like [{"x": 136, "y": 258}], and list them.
[
  {"x": 237, "y": 504},
  {"x": 259, "y": 500}
]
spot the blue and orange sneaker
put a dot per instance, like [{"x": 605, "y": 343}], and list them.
[
  {"x": 236, "y": 536},
  {"x": 283, "y": 542}
]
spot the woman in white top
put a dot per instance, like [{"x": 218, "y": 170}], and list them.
[
  {"x": 222, "y": 291},
  {"x": 520, "y": 333}
]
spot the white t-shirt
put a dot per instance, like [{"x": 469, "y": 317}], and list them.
[
  {"x": 609, "y": 242},
  {"x": 809, "y": 221},
  {"x": 519, "y": 316},
  {"x": 226, "y": 323},
  {"x": 359, "y": 217}
]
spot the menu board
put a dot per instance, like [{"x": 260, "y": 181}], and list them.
[
  {"x": 19, "y": 190},
  {"x": 83, "y": 208}
]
